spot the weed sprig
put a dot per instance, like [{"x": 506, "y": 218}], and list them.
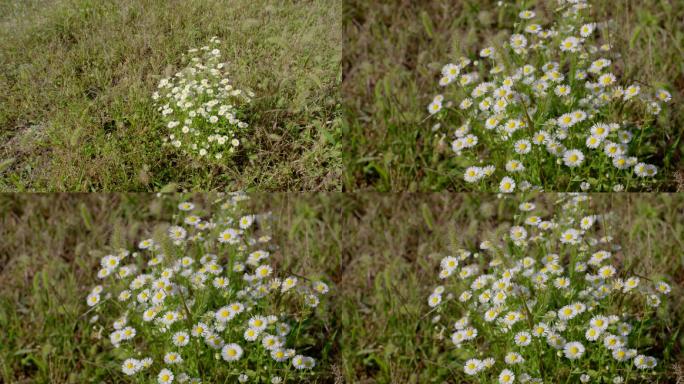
[
  {"x": 202, "y": 302},
  {"x": 201, "y": 108},
  {"x": 545, "y": 109},
  {"x": 547, "y": 301}
]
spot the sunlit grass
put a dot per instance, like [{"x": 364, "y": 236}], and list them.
[{"x": 76, "y": 111}]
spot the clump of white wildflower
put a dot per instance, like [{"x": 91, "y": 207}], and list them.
[
  {"x": 547, "y": 301},
  {"x": 203, "y": 301},
  {"x": 546, "y": 110},
  {"x": 202, "y": 110}
]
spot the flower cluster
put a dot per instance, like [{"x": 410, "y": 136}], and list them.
[
  {"x": 547, "y": 106},
  {"x": 201, "y": 108},
  {"x": 545, "y": 301},
  {"x": 203, "y": 301}
]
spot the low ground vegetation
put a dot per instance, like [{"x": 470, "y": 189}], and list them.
[{"x": 78, "y": 76}]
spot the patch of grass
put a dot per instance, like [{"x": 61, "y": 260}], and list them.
[
  {"x": 393, "y": 54},
  {"x": 76, "y": 112}
]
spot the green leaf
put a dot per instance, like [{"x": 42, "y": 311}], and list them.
[
  {"x": 635, "y": 35},
  {"x": 5, "y": 164},
  {"x": 87, "y": 218},
  {"x": 427, "y": 24},
  {"x": 169, "y": 188}
]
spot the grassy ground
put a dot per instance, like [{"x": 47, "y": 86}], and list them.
[
  {"x": 393, "y": 53},
  {"x": 380, "y": 252},
  {"x": 77, "y": 76}
]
